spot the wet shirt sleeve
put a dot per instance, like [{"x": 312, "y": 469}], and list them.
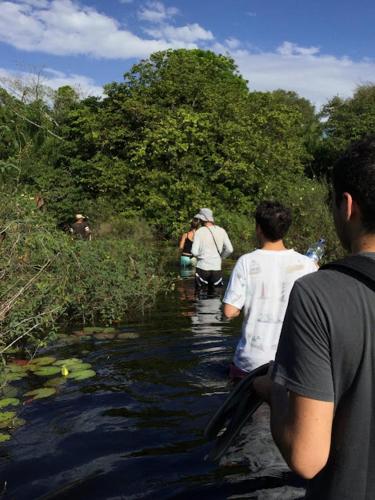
[
  {"x": 236, "y": 291},
  {"x": 303, "y": 358}
]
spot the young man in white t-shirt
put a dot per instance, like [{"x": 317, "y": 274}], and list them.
[{"x": 260, "y": 284}]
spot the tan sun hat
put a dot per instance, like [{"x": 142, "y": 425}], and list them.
[{"x": 80, "y": 216}]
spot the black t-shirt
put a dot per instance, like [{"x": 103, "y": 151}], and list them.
[
  {"x": 81, "y": 230},
  {"x": 327, "y": 352}
]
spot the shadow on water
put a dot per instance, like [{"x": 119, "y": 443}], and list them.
[{"x": 136, "y": 430}]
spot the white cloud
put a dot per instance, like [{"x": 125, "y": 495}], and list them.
[
  {"x": 251, "y": 14},
  {"x": 126, "y": 1},
  {"x": 305, "y": 70},
  {"x": 232, "y": 43},
  {"x": 292, "y": 49},
  {"x": 188, "y": 34},
  {"x": 66, "y": 28},
  {"x": 156, "y": 12},
  {"x": 50, "y": 77}
]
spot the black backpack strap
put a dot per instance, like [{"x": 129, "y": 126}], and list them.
[{"x": 359, "y": 267}]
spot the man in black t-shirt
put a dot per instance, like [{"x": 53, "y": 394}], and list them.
[
  {"x": 322, "y": 392},
  {"x": 80, "y": 229}
]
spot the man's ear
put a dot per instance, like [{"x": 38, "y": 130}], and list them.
[{"x": 348, "y": 207}]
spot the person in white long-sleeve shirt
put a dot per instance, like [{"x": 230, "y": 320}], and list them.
[{"x": 211, "y": 245}]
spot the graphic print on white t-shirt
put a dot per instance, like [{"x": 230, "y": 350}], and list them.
[{"x": 260, "y": 284}]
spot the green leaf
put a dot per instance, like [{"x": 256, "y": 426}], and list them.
[
  {"x": 4, "y": 437},
  {"x": 79, "y": 367},
  {"x": 55, "y": 382},
  {"x": 43, "y": 392},
  {"x": 81, "y": 375},
  {"x": 45, "y": 360},
  {"x": 46, "y": 371},
  {"x": 67, "y": 362},
  {"x": 9, "y": 402}
]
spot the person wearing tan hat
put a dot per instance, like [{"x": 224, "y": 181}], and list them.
[
  {"x": 80, "y": 229},
  {"x": 211, "y": 245}
]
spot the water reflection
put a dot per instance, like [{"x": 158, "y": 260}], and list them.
[{"x": 136, "y": 430}]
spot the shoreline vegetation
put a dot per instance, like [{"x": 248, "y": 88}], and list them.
[
  {"x": 49, "y": 279},
  {"x": 183, "y": 130}
]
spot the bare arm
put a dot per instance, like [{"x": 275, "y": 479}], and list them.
[
  {"x": 182, "y": 241},
  {"x": 230, "y": 311},
  {"x": 301, "y": 427}
]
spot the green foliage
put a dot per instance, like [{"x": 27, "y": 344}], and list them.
[
  {"x": 46, "y": 276},
  {"x": 180, "y": 132},
  {"x": 346, "y": 120}
]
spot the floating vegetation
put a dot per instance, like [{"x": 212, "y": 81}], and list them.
[
  {"x": 82, "y": 374},
  {"x": 43, "y": 361},
  {"x": 46, "y": 366},
  {"x": 104, "y": 336},
  {"x": 41, "y": 393},
  {"x": 64, "y": 371},
  {"x": 46, "y": 371},
  {"x": 55, "y": 382},
  {"x": 127, "y": 336},
  {"x": 9, "y": 402},
  {"x": 67, "y": 362},
  {"x": 4, "y": 437},
  {"x": 79, "y": 366},
  {"x": 6, "y": 418},
  {"x": 97, "y": 329}
]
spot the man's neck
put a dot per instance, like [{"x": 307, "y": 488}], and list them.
[
  {"x": 273, "y": 245},
  {"x": 365, "y": 243},
  {"x": 209, "y": 224}
]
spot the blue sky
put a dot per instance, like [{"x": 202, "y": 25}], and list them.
[{"x": 319, "y": 49}]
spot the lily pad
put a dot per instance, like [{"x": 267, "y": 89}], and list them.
[
  {"x": 46, "y": 371},
  {"x": 43, "y": 361},
  {"x": 13, "y": 377},
  {"x": 4, "y": 437},
  {"x": 9, "y": 391},
  {"x": 14, "y": 368},
  {"x": 9, "y": 402},
  {"x": 67, "y": 362},
  {"x": 20, "y": 362},
  {"x": 55, "y": 382},
  {"x": 6, "y": 418},
  {"x": 81, "y": 375},
  {"x": 92, "y": 329},
  {"x": 127, "y": 336},
  {"x": 104, "y": 336},
  {"x": 43, "y": 392},
  {"x": 79, "y": 367},
  {"x": 16, "y": 422}
]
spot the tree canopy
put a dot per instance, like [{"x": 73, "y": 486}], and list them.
[{"x": 182, "y": 130}]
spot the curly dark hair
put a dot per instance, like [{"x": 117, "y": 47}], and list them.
[
  {"x": 274, "y": 219},
  {"x": 354, "y": 173}
]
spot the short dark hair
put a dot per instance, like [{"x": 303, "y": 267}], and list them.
[
  {"x": 354, "y": 173},
  {"x": 274, "y": 219}
]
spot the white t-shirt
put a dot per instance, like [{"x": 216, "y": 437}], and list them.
[
  {"x": 204, "y": 248},
  {"x": 260, "y": 283}
]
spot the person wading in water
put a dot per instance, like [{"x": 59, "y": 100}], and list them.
[
  {"x": 211, "y": 245},
  {"x": 80, "y": 229},
  {"x": 186, "y": 242}
]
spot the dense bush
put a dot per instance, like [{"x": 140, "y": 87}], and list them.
[{"x": 47, "y": 276}]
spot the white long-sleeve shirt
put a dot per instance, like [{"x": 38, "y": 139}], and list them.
[{"x": 204, "y": 248}]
